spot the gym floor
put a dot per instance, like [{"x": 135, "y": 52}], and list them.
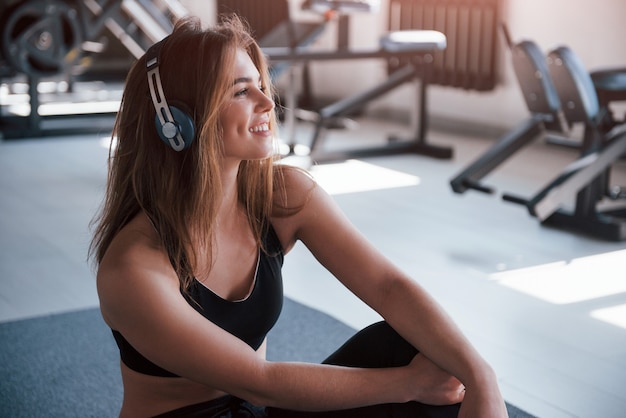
[{"x": 546, "y": 307}]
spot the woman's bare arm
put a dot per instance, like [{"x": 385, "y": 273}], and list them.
[{"x": 336, "y": 243}]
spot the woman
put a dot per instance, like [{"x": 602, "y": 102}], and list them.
[{"x": 189, "y": 246}]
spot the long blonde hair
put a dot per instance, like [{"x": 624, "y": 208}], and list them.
[{"x": 179, "y": 191}]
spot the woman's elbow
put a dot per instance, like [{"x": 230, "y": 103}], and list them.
[{"x": 259, "y": 387}]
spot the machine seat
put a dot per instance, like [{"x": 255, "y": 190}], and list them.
[{"x": 411, "y": 40}]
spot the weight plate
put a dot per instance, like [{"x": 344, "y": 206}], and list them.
[{"x": 42, "y": 37}]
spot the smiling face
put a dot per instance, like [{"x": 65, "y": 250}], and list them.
[{"x": 245, "y": 118}]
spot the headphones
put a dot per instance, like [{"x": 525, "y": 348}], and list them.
[{"x": 174, "y": 126}]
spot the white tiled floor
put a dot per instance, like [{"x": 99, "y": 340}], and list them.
[{"x": 545, "y": 306}]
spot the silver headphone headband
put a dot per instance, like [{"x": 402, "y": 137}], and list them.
[{"x": 169, "y": 127}]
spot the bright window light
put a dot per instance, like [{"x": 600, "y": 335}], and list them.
[
  {"x": 354, "y": 176},
  {"x": 52, "y": 109},
  {"x": 108, "y": 106},
  {"x": 563, "y": 282},
  {"x": 615, "y": 315}
]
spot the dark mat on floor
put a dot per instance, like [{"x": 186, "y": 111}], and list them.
[{"x": 66, "y": 365}]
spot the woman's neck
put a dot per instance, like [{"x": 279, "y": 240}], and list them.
[{"x": 229, "y": 208}]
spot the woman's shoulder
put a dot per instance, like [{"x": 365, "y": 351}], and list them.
[
  {"x": 293, "y": 190},
  {"x": 293, "y": 175},
  {"x": 138, "y": 235},
  {"x": 293, "y": 187},
  {"x": 134, "y": 250},
  {"x": 133, "y": 262}
]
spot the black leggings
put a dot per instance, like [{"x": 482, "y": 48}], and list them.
[{"x": 376, "y": 346}]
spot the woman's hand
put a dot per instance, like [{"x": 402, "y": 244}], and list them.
[
  {"x": 483, "y": 402},
  {"x": 483, "y": 398},
  {"x": 433, "y": 385}
]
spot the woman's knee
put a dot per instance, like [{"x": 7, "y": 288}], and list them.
[{"x": 377, "y": 345}]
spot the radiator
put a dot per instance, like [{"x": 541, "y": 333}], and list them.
[{"x": 469, "y": 61}]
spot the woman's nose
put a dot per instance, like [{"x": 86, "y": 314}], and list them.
[{"x": 265, "y": 104}]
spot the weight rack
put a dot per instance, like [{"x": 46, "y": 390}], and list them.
[{"x": 63, "y": 62}]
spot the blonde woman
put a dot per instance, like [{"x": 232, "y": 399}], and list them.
[{"x": 189, "y": 246}]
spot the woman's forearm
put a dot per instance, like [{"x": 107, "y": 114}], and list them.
[
  {"x": 421, "y": 321},
  {"x": 318, "y": 387}
]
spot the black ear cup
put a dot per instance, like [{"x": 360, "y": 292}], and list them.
[
  {"x": 174, "y": 126},
  {"x": 182, "y": 125}
]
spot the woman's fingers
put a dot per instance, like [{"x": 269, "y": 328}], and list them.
[{"x": 433, "y": 385}]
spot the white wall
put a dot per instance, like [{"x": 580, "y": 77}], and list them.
[{"x": 596, "y": 30}]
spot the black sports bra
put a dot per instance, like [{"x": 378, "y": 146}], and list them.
[{"x": 249, "y": 319}]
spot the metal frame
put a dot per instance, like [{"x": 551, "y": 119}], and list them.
[
  {"x": 560, "y": 79},
  {"x": 544, "y": 105},
  {"x": 420, "y": 57},
  {"x": 92, "y": 16}
]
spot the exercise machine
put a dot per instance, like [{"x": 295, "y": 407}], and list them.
[
  {"x": 544, "y": 106},
  {"x": 586, "y": 181},
  {"x": 415, "y": 49},
  {"x": 559, "y": 92},
  {"x": 80, "y": 45},
  {"x": 415, "y": 46}
]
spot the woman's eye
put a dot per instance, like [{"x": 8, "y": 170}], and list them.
[{"x": 245, "y": 91}]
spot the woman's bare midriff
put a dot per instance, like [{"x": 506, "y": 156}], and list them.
[{"x": 147, "y": 396}]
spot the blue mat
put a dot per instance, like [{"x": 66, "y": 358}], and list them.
[{"x": 67, "y": 365}]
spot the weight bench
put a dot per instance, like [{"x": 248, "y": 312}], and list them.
[
  {"x": 542, "y": 101},
  {"x": 610, "y": 86},
  {"x": 546, "y": 114},
  {"x": 559, "y": 95},
  {"x": 416, "y": 47},
  {"x": 586, "y": 180}
]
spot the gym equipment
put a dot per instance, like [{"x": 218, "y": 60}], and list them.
[
  {"x": 415, "y": 48},
  {"x": 469, "y": 61},
  {"x": 586, "y": 180},
  {"x": 57, "y": 40},
  {"x": 42, "y": 38},
  {"x": 609, "y": 84},
  {"x": 542, "y": 101},
  {"x": 559, "y": 92}
]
